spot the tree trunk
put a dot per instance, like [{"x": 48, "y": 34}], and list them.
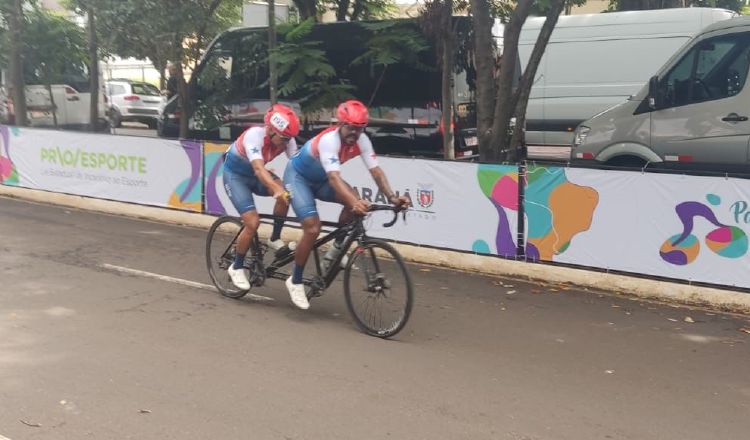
[
  {"x": 272, "y": 72},
  {"x": 517, "y": 143},
  {"x": 51, "y": 100},
  {"x": 16, "y": 58},
  {"x": 183, "y": 100},
  {"x": 357, "y": 10},
  {"x": 484, "y": 60},
  {"x": 505, "y": 98},
  {"x": 93, "y": 71},
  {"x": 307, "y": 9},
  {"x": 447, "y": 81},
  {"x": 342, "y": 9},
  {"x": 162, "y": 77}
]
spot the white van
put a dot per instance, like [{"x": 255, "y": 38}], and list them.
[
  {"x": 72, "y": 101},
  {"x": 693, "y": 114},
  {"x": 595, "y": 61},
  {"x": 71, "y": 106}
]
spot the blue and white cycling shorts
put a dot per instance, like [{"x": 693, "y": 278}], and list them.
[
  {"x": 304, "y": 192},
  {"x": 241, "y": 183}
]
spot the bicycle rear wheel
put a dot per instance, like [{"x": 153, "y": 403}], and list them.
[
  {"x": 220, "y": 251},
  {"x": 378, "y": 289}
]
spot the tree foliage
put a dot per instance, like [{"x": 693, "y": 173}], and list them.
[
  {"x": 54, "y": 48},
  {"x": 304, "y": 70}
]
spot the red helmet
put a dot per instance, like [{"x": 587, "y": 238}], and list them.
[
  {"x": 282, "y": 120},
  {"x": 352, "y": 112}
]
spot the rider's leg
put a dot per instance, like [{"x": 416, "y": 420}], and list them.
[
  {"x": 280, "y": 209},
  {"x": 251, "y": 220},
  {"x": 310, "y": 232},
  {"x": 303, "y": 202},
  {"x": 238, "y": 188},
  {"x": 327, "y": 193}
]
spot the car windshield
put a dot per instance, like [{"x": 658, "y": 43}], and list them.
[{"x": 145, "y": 89}]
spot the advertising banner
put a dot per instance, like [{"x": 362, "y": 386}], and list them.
[
  {"x": 693, "y": 228},
  {"x": 147, "y": 171}
]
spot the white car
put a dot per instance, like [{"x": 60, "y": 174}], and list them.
[{"x": 133, "y": 101}]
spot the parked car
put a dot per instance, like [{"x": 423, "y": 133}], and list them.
[
  {"x": 692, "y": 115},
  {"x": 133, "y": 101}
]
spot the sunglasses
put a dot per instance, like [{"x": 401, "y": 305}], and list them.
[
  {"x": 352, "y": 127},
  {"x": 283, "y": 138}
]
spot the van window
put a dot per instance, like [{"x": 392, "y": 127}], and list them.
[
  {"x": 250, "y": 69},
  {"x": 213, "y": 91},
  {"x": 214, "y": 78},
  {"x": 145, "y": 89},
  {"x": 116, "y": 90},
  {"x": 714, "y": 69}
]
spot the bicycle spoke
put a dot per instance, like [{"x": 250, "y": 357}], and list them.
[
  {"x": 378, "y": 290},
  {"x": 220, "y": 243}
]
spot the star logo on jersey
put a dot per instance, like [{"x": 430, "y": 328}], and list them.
[
  {"x": 334, "y": 160},
  {"x": 255, "y": 150}
]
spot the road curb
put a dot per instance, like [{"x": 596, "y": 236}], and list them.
[{"x": 715, "y": 298}]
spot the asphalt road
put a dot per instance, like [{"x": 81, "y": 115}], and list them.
[{"x": 87, "y": 351}]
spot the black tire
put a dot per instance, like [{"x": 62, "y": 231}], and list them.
[
  {"x": 151, "y": 124},
  {"x": 115, "y": 119},
  {"x": 378, "y": 288},
  {"x": 626, "y": 162},
  {"x": 220, "y": 244}
]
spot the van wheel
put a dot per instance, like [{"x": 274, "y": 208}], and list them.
[{"x": 626, "y": 162}]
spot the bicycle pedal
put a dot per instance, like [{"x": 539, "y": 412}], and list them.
[{"x": 314, "y": 294}]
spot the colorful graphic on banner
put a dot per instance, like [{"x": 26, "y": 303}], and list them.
[
  {"x": 725, "y": 241},
  {"x": 556, "y": 210},
  {"x": 187, "y": 195},
  {"x": 499, "y": 183},
  {"x": 213, "y": 172},
  {"x": 8, "y": 172}
]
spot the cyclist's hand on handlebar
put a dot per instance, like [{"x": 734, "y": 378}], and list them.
[
  {"x": 361, "y": 207},
  {"x": 401, "y": 202},
  {"x": 281, "y": 194}
]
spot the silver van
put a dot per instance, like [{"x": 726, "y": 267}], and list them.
[
  {"x": 594, "y": 61},
  {"x": 692, "y": 115}
]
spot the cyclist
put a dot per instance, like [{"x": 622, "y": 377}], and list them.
[
  {"x": 315, "y": 173},
  {"x": 245, "y": 174}
]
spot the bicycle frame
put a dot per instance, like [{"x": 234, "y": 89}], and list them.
[{"x": 353, "y": 231}]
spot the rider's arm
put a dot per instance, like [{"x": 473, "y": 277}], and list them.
[
  {"x": 274, "y": 186},
  {"x": 343, "y": 191},
  {"x": 253, "y": 143},
  {"x": 291, "y": 148},
  {"x": 379, "y": 176},
  {"x": 367, "y": 153}
]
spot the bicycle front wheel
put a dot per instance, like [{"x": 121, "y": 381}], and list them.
[
  {"x": 378, "y": 289},
  {"x": 220, "y": 251}
]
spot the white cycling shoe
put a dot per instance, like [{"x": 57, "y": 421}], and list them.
[
  {"x": 276, "y": 244},
  {"x": 297, "y": 294},
  {"x": 239, "y": 277}
]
